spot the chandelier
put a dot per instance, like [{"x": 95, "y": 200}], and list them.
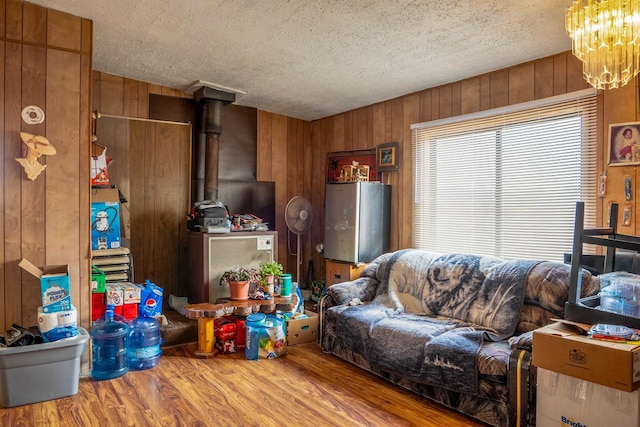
[{"x": 606, "y": 38}]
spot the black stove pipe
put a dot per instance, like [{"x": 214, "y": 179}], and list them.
[{"x": 212, "y": 102}]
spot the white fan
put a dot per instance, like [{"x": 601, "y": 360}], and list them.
[{"x": 298, "y": 216}]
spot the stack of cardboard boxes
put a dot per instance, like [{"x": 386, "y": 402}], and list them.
[{"x": 584, "y": 381}]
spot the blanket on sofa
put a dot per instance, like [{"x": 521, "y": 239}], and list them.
[{"x": 432, "y": 313}]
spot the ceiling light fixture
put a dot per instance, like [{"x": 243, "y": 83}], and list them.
[{"x": 606, "y": 38}]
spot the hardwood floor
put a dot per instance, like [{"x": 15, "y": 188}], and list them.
[{"x": 304, "y": 388}]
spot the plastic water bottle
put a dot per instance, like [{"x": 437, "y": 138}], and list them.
[
  {"x": 143, "y": 344},
  {"x": 254, "y": 323},
  {"x": 109, "y": 348}
]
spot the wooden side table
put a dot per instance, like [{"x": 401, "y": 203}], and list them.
[
  {"x": 338, "y": 272},
  {"x": 206, "y": 313}
]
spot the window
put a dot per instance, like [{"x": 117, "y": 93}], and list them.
[{"x": 505, "y": 182}]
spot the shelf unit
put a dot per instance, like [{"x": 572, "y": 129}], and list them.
[
  {"x": 117, "y": 264},
  {"x": 585, "y": 310}
]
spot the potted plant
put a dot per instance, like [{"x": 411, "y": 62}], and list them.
[
  {"x": 238, "y": 279},
  {"x": 268, "y": 271}
]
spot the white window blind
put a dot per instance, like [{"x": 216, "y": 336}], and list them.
[{"x": 506, "y": 182}]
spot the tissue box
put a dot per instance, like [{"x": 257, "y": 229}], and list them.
[
  {"x": 39, "y": 372},
  {"x": 54, "y": 285}
]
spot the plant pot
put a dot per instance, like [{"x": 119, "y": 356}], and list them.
[{"x": 239, "y": 290}]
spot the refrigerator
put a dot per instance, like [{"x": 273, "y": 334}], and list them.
[{"x": 357, "y": 221}]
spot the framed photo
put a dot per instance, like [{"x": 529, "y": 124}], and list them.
[
  {"x": 624, "y": 144},
  {"x": 387, "y": 155},
  {"x": 337, "y": 160}
]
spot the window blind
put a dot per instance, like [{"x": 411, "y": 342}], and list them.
[{"x": 505, "y": 182}]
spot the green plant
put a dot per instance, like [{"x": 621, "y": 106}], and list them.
[
  {"x": 273, "y": 268},
  {"x": 239, "y": 274},
  {"x": 266, "y": 270}
]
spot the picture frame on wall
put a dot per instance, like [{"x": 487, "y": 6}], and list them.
[
  {"x": 624, "y": 144},
  {"x": 387, "y": 156}
]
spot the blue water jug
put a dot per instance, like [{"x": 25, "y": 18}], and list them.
[
  {"x": 143, "y": 344},
  {"x": 254, "y": 323},
  {"x": 109, "y": 340}
]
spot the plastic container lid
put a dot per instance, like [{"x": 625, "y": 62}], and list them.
[{"x": 256, "y": 319}]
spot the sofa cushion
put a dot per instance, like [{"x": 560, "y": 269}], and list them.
[
  {"x": 482, "y": 290},
  {"x": 548, "y": 286}
]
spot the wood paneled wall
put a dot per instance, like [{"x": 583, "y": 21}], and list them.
[
  {"x": 47, "y": 63},
  {"x": 284, "y": 156},
  {"x": 391, "y": 120}
]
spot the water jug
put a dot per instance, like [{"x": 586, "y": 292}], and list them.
[
  {"x": 109, "y": 339},
  {"x": 116, "y": 317},
  {"x": 143, "y": 344},
  {"x": 254, "y": 325}
]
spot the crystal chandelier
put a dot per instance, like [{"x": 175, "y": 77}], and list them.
[{"x": 606, "y": 38}]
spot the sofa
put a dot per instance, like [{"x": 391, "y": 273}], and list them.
[{"x": 455, "y": 328}]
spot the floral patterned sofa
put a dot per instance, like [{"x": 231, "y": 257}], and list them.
[{"x": 455, "y": 328}]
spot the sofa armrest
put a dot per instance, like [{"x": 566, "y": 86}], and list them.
[
  {"x": 522, "y": 341},
  {"x": 363, "y": 288},
  {"x": 522, "y": 388}
]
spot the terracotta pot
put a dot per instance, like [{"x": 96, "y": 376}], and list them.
[{"x": 239, "y": 290}]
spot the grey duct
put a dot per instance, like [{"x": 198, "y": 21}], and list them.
[{"x": 212, "y": 101}]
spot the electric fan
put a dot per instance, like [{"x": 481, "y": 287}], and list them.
[{"x": 298, "y": 216}]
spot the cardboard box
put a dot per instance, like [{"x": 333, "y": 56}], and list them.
[
  {"x": 302, "y": 330},
  {"x": 98, "y": 280},
  {"x": 566, "y": 401},
  {"x": 98, "y": 305},
  {"x": 55, "y": 286},
  {"x": 99, "y": 163},
  {"x": 105, "y": 219},
  {"x": 560, "y": 348}
]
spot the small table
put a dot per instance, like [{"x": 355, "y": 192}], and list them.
[{"x": 206, "y": 313}]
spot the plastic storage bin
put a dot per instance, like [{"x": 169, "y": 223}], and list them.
[
  {"x": 620, "y": 293},
  {"x": 40, "y": 372}
]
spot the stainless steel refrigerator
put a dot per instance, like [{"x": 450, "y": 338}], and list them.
[{"x": 357, "y": 221}]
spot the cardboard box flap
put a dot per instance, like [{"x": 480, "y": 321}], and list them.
[{"x": 51, "y": 270}]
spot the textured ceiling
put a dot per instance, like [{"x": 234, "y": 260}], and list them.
[{"x": 314, "y": 58}]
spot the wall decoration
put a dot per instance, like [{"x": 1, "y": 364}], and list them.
[
  {"x": 602, "y": 184},
  {"x": 387, "y": 155},
  {"x": 624, "y": 144},
  {"x": 32, "y": 115},
  {"x": 626, "y": 216},
  {"x": 36, "y": 146},
  {"x": 338, "y": 159},
  {"x": 628, "y": 188}
]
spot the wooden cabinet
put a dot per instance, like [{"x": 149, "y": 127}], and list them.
[{"x": 337, "y": 272}]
